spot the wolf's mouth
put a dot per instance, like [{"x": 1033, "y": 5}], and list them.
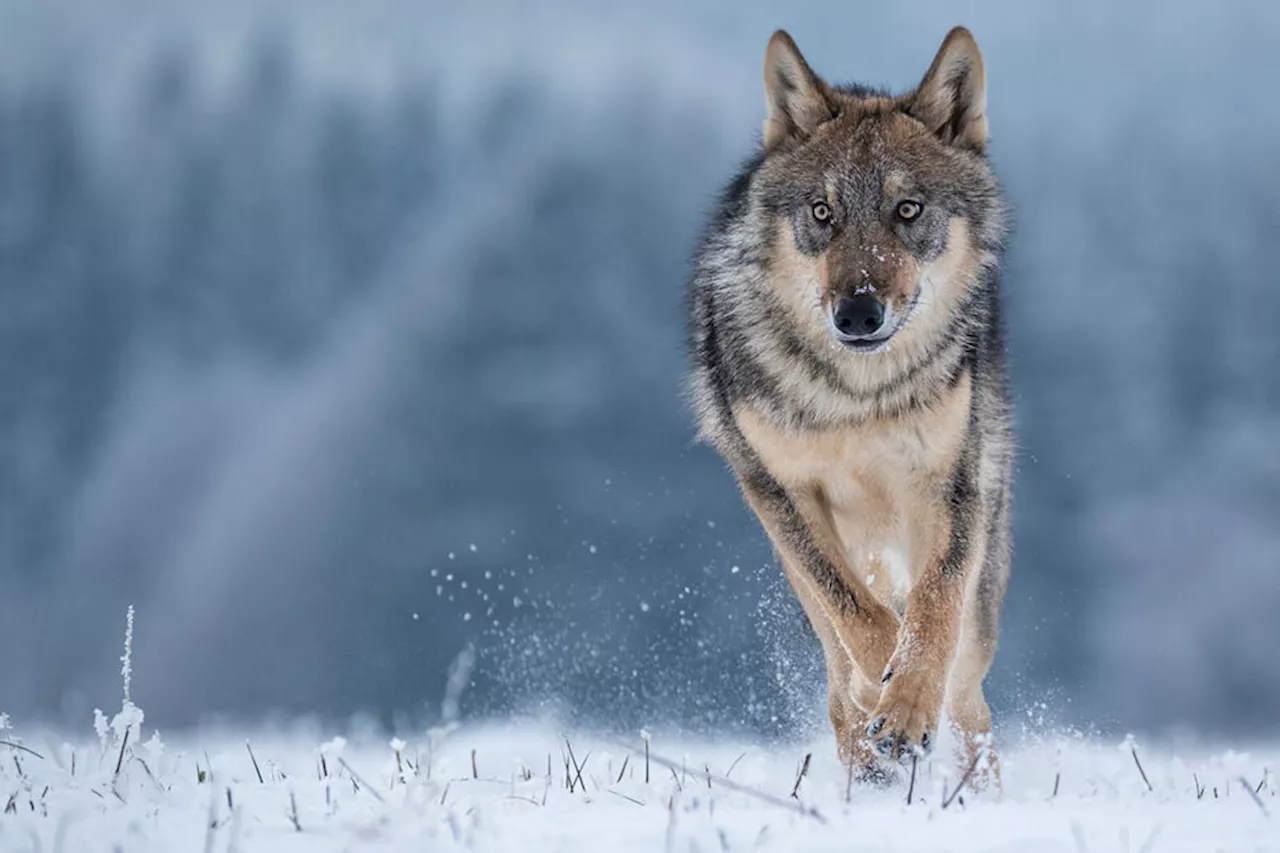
[{"x": 880, "y": 340}]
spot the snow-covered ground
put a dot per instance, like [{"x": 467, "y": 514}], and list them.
[{"x": 506, "y": 788}]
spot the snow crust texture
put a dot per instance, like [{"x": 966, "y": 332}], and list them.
[{"x": 529, "y": 788}]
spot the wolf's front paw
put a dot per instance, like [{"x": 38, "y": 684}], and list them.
[{"x": 905, "y": 722}]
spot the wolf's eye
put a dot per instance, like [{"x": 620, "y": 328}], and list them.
[
  {"x": 909, "y": 210},
  {"x": 821, "y": 211}
]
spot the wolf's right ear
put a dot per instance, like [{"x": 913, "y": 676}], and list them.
[{"x": 798, "y": 99}]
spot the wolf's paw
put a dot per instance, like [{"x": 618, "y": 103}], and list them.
[
  {"x": 905, "y": 722},
  {"x": 874, "y": 775}
]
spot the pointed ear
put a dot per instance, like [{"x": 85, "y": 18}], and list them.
[
  {"x": 798, "y": 100},
  {"x": 952, "y": 98}
]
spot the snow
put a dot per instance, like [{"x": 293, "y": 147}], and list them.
[{"x": 488, "y": 788}]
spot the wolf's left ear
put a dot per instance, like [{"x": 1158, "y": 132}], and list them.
[
  {"x": 797, "y": 98},
  {"x": 952, "y": 98}
]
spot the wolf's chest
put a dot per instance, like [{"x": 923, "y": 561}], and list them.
[
  {"x": 868, "y": 484},
  {"x": 873, "y": 465}
]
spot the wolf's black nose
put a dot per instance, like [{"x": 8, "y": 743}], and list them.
[{"x": 858, "y": 316}]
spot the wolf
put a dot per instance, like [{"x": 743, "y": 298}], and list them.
[{"x": 847, "y": 361}]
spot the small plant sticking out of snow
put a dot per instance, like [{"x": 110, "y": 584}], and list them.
[
  {"x": 397, "y": 750},
  {"x": 129, "y": 719},
  {"x": 332, "y": 750},
  {"x": 102, "y": 726}
]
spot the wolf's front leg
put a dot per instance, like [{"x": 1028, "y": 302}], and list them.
[
  {"x": 905, "y": 721},
  {"x": 856, "y": 625}
]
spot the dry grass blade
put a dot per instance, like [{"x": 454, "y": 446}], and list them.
[
  {"x": 1253, "y": 795},
  {"x": 159, "y": 785},
  {"x": 293, "y": 813},
  {"x": 911, "y": 788},
  {"x": 363, "y": 784},
  {"x": 964, "y": 780},
  {"x": 623, "y": 771},
  {"x": 804, "y": 770},
  {"x": 577, "y": 768},
  {"x": 625, "y": 797},
  {"x": 256, "y": 768},
  {"x": 28, "y": 750},
  {"x": 1134, "y": 750},
  {"x": 1199, "y": 787},
  {"x": 120, "y": 758},
  {"x": 729, "y": 772}
]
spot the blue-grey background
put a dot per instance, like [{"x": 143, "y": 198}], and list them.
[{"x": 338, "y": 338}]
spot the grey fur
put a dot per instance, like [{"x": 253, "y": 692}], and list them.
[{"x": 745, "y": 348}]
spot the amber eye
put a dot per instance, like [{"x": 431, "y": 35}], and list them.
[
  {"x": 821, "y": 211},
  {"x": 909, "y": 210}
]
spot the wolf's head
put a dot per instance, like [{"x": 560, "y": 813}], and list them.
[{"x": 877, "y": 211}]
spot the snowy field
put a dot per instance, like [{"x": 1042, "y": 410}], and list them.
[{"x": 524, "y": 787}]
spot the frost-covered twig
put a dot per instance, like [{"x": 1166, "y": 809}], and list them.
[{"x": 126, "y": 660}]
